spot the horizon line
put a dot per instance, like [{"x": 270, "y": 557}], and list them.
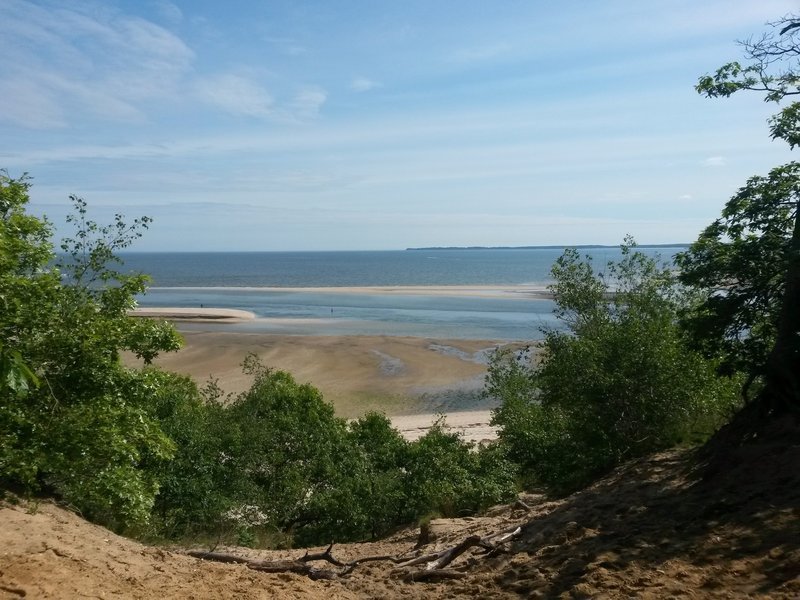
[{"x": 415, "y": 249}]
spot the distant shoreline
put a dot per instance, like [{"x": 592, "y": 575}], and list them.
[{"x": 557, "y": 247}]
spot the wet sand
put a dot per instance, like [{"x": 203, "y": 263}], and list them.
[{"x": 412, "y": 380}]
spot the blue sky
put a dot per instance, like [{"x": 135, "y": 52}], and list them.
[{"x": 379, "y": 125}]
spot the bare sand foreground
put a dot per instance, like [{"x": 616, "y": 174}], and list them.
[
  {"x": 652, "y": 529},
  {"x": 412, "y": 380}
]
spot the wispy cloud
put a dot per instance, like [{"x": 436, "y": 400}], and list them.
[
  {"x": 96, "y": 63},
  {"x": 363, "y": 84},
  {"x": 286, "y": 45},
  {"x": 500, "y": 126},
  {"x": 715, "y": 161},
  {"x": 28, "y": 103},
  {"x": 235, "y": 94},
  {"x": 478, "y": 54},
  {"x": 308, "y": 102}
]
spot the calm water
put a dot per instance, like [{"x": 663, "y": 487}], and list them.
[{"x": 232, "y": 280}]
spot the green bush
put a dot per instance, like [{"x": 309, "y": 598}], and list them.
[
  {"x": 451, "y": 477},
  {"x": 71, "y": 422},
  {"x": 619, "y": 382},
  {"x": 384, "y": 477}
]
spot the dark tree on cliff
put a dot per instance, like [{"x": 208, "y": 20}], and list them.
[{"x": 748, "y": 261}]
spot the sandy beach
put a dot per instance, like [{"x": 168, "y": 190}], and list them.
[{"x": 412, "y": 380}]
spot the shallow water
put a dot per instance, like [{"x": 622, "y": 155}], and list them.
[{"x": 238, "y": 280}]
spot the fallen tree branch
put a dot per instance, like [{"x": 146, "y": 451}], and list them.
[
  {"x": 293, "y": 566},
  {"x": 326, "y": 556},
  {"x": 503, "y": 535},
  {"x": 441, "y": 559},
  {"x": 434, "y": 569}
]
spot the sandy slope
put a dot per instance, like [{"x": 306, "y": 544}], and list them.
[
  {"x": 48, "y": 552},
  {"x": 652, "y": 529}
]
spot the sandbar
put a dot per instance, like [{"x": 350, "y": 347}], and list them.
[{"x": 207, "y": 315}]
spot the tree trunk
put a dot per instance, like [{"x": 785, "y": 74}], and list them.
[
  {"x": 773, "y": 417},
  {"x": 782, "y": 377}
]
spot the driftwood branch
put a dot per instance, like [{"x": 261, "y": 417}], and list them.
[
  {"x": 434, "y": 569},
  {"x": 326, "y": 556}
]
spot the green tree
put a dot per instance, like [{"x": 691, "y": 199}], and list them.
[
  {"x": 451, "y": 477},
  {"x": 289, "y": 446},
  {"x": 73, "y": 421},
  {"x": 195, "y": 487},
  {"x": 24, "y": 247},
  {"x": 383, "y": 495},
  {"x": 618, "y": 382},
  {"x": 739, "y": 264},
  {"x": 748, "y": 262}
]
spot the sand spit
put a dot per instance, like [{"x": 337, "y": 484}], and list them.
[{"x": 200, "y": 315}]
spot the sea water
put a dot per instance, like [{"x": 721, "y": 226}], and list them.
[{"x": 253, "y": 280}]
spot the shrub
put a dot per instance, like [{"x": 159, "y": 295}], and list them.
[{"x": 620, "y": 382}]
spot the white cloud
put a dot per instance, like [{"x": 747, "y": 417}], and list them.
[
  {"x": 715, "y": 161},
  {"x": 478, "y": 54},
  {"x": 685, "y": 197},
  {"x": 362, "y": 84},
  {"x": 236, "y": 94}
]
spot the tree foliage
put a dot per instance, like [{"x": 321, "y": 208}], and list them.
[
  {"x": 739, "y": 264},
  {"x": 772, "y": 67},
  {"x": 749, "y": 261},
  {"x": 275, "y": 465},
  {"x": 619, "y": 382},
  {"x": 73, "y": 421}
]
